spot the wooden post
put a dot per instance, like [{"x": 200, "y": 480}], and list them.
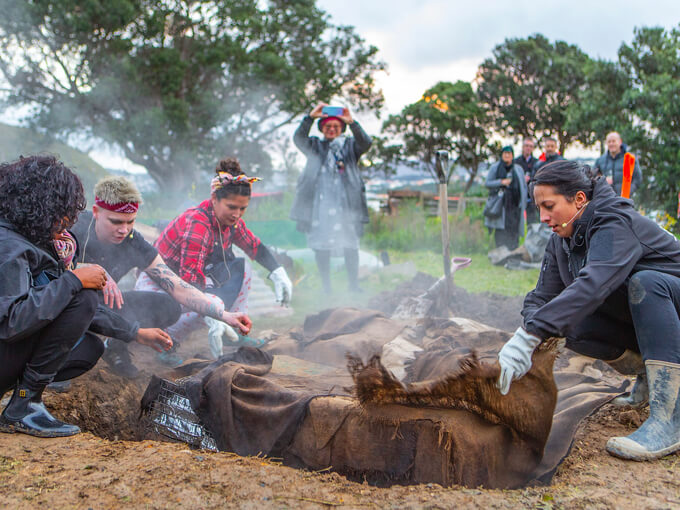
[{"x": 442, "y": 162}]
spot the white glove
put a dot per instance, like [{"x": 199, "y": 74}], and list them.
[
  {"x": 217, "y": 330},
  {"x": 283, "y": 287},
  {"x": 515, "y": 358}
]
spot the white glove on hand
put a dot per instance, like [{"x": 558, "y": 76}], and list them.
[
  {"x": 283, "y": 287},
  {"x": 217, "y": 330},
  {"x": 515, "y": 358}
]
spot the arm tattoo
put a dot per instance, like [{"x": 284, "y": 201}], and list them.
[{"x": 159, "y": 277}]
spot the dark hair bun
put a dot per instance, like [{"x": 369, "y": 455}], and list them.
[{"x": 229, "y": 165}]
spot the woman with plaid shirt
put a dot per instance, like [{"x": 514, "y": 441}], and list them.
[{"x": 197, "y": 245}]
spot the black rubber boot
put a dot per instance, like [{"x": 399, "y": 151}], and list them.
[{"x": 26, "y": 413}]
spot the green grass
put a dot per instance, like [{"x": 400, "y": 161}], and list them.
[{"x": 480, "y": 276}]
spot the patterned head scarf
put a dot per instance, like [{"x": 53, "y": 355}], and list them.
[
  {"x": 65, "y": 245},
  {"x": 223, "y": 179}
]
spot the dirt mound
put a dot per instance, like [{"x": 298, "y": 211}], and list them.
[
  {"x": 502, "y": 312},
  {"x": 102, "y": 403}
]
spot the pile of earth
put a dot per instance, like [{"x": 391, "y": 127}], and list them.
[{"x": 495, "y": 310}]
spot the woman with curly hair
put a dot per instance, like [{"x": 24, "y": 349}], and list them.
[{"x": 45, "y": 309}]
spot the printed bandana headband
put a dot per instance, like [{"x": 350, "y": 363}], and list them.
[
  {"x": 122, "y": 207},
  {"x": 222, "y": 179},
  {"x": 65, "y": 245}
]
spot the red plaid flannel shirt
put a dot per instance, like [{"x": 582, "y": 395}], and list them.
[{"x": 185, "y": 244}]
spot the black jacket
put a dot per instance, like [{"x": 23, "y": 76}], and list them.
[
  {"x": 26, "y": 308},
  {"x": 611, "y": 241},
  {"x": 550, "y": 159}
]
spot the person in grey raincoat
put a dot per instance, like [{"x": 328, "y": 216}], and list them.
[
  {"x": 330, "y": 199},
  {"x": 507, "y": 177}
]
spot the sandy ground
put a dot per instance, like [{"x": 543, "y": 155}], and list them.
[
  {"x": 105, "y": 467},
  {"x": 86, "y": 471}
]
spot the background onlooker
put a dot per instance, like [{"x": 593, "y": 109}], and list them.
[
  {"x": 610, "y": 164},
  {"x": 528, "y": 163},
  {"x": 507, "y": 178}
]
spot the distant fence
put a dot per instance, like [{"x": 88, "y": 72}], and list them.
[{"x": 428, "y": 201}]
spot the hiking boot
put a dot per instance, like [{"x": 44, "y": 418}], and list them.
[
  {"x": 26, "y": 413},
  {"x": 659, "y": 435}
]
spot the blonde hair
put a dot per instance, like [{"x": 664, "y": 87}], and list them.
[{"x": 116, "y": 190}]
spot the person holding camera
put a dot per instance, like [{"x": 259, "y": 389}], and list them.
[{"x": 330, "y": 199}]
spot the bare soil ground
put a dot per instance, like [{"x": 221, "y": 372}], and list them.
[
  {"x": 107, "y": 467},
  {"x": 86, "y": 471}
]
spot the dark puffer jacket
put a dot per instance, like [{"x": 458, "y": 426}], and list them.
[
  {"x": 613, "y": 167},
  {"x": 611, "y": 242},
  {"x": 26, "y": 308},
  {"x": 316, "y": 151}
]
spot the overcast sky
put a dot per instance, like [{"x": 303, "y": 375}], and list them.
[{"x": 426, "y": 41}]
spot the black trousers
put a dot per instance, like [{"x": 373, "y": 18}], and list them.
[
  {"x": 643, "y": 315},
  {"x": 150, "y": 309},
  {"x": 59, "y": 351}
]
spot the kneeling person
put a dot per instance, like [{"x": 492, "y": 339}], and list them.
[
  {"x": 48, "y": 313},
  {"x": 107, "y": 237}
]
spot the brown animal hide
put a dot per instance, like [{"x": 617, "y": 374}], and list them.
[{"x": 510, "y": 430}]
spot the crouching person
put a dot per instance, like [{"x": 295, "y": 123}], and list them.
[
  {"x": 609, "y": 284},
  {"x": 45, "y": 310}
]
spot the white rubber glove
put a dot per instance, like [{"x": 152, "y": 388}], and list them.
[
  {"x": 217, "y": 330},
  {"x": 515, "y": 358},
  {"x": 283, "y": 287}
]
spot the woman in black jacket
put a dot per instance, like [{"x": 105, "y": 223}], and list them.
[
  {"x": 45, "y": 309},
  {"x": 610, "y": 284}
]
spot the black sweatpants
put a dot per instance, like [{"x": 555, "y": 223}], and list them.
[
  {"x": 643, "y": 316},
  {"x": 59, "y": 351},
  {"x": 150, "y": 309}
]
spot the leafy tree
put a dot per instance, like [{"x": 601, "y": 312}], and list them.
[
  {"x": 652, "y": 63},
  {"x": 177, "y": 84},
  {"x": 601, "y": 106},
  {"x": 529, "y": 83},
  {"x": 450, "y": 117}
]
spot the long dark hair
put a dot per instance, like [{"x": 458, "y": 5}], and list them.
[
  {"x": 233, "y": 167},
  {"x": 40, "y": 196},
  {"x": 567, "y": 177}
]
